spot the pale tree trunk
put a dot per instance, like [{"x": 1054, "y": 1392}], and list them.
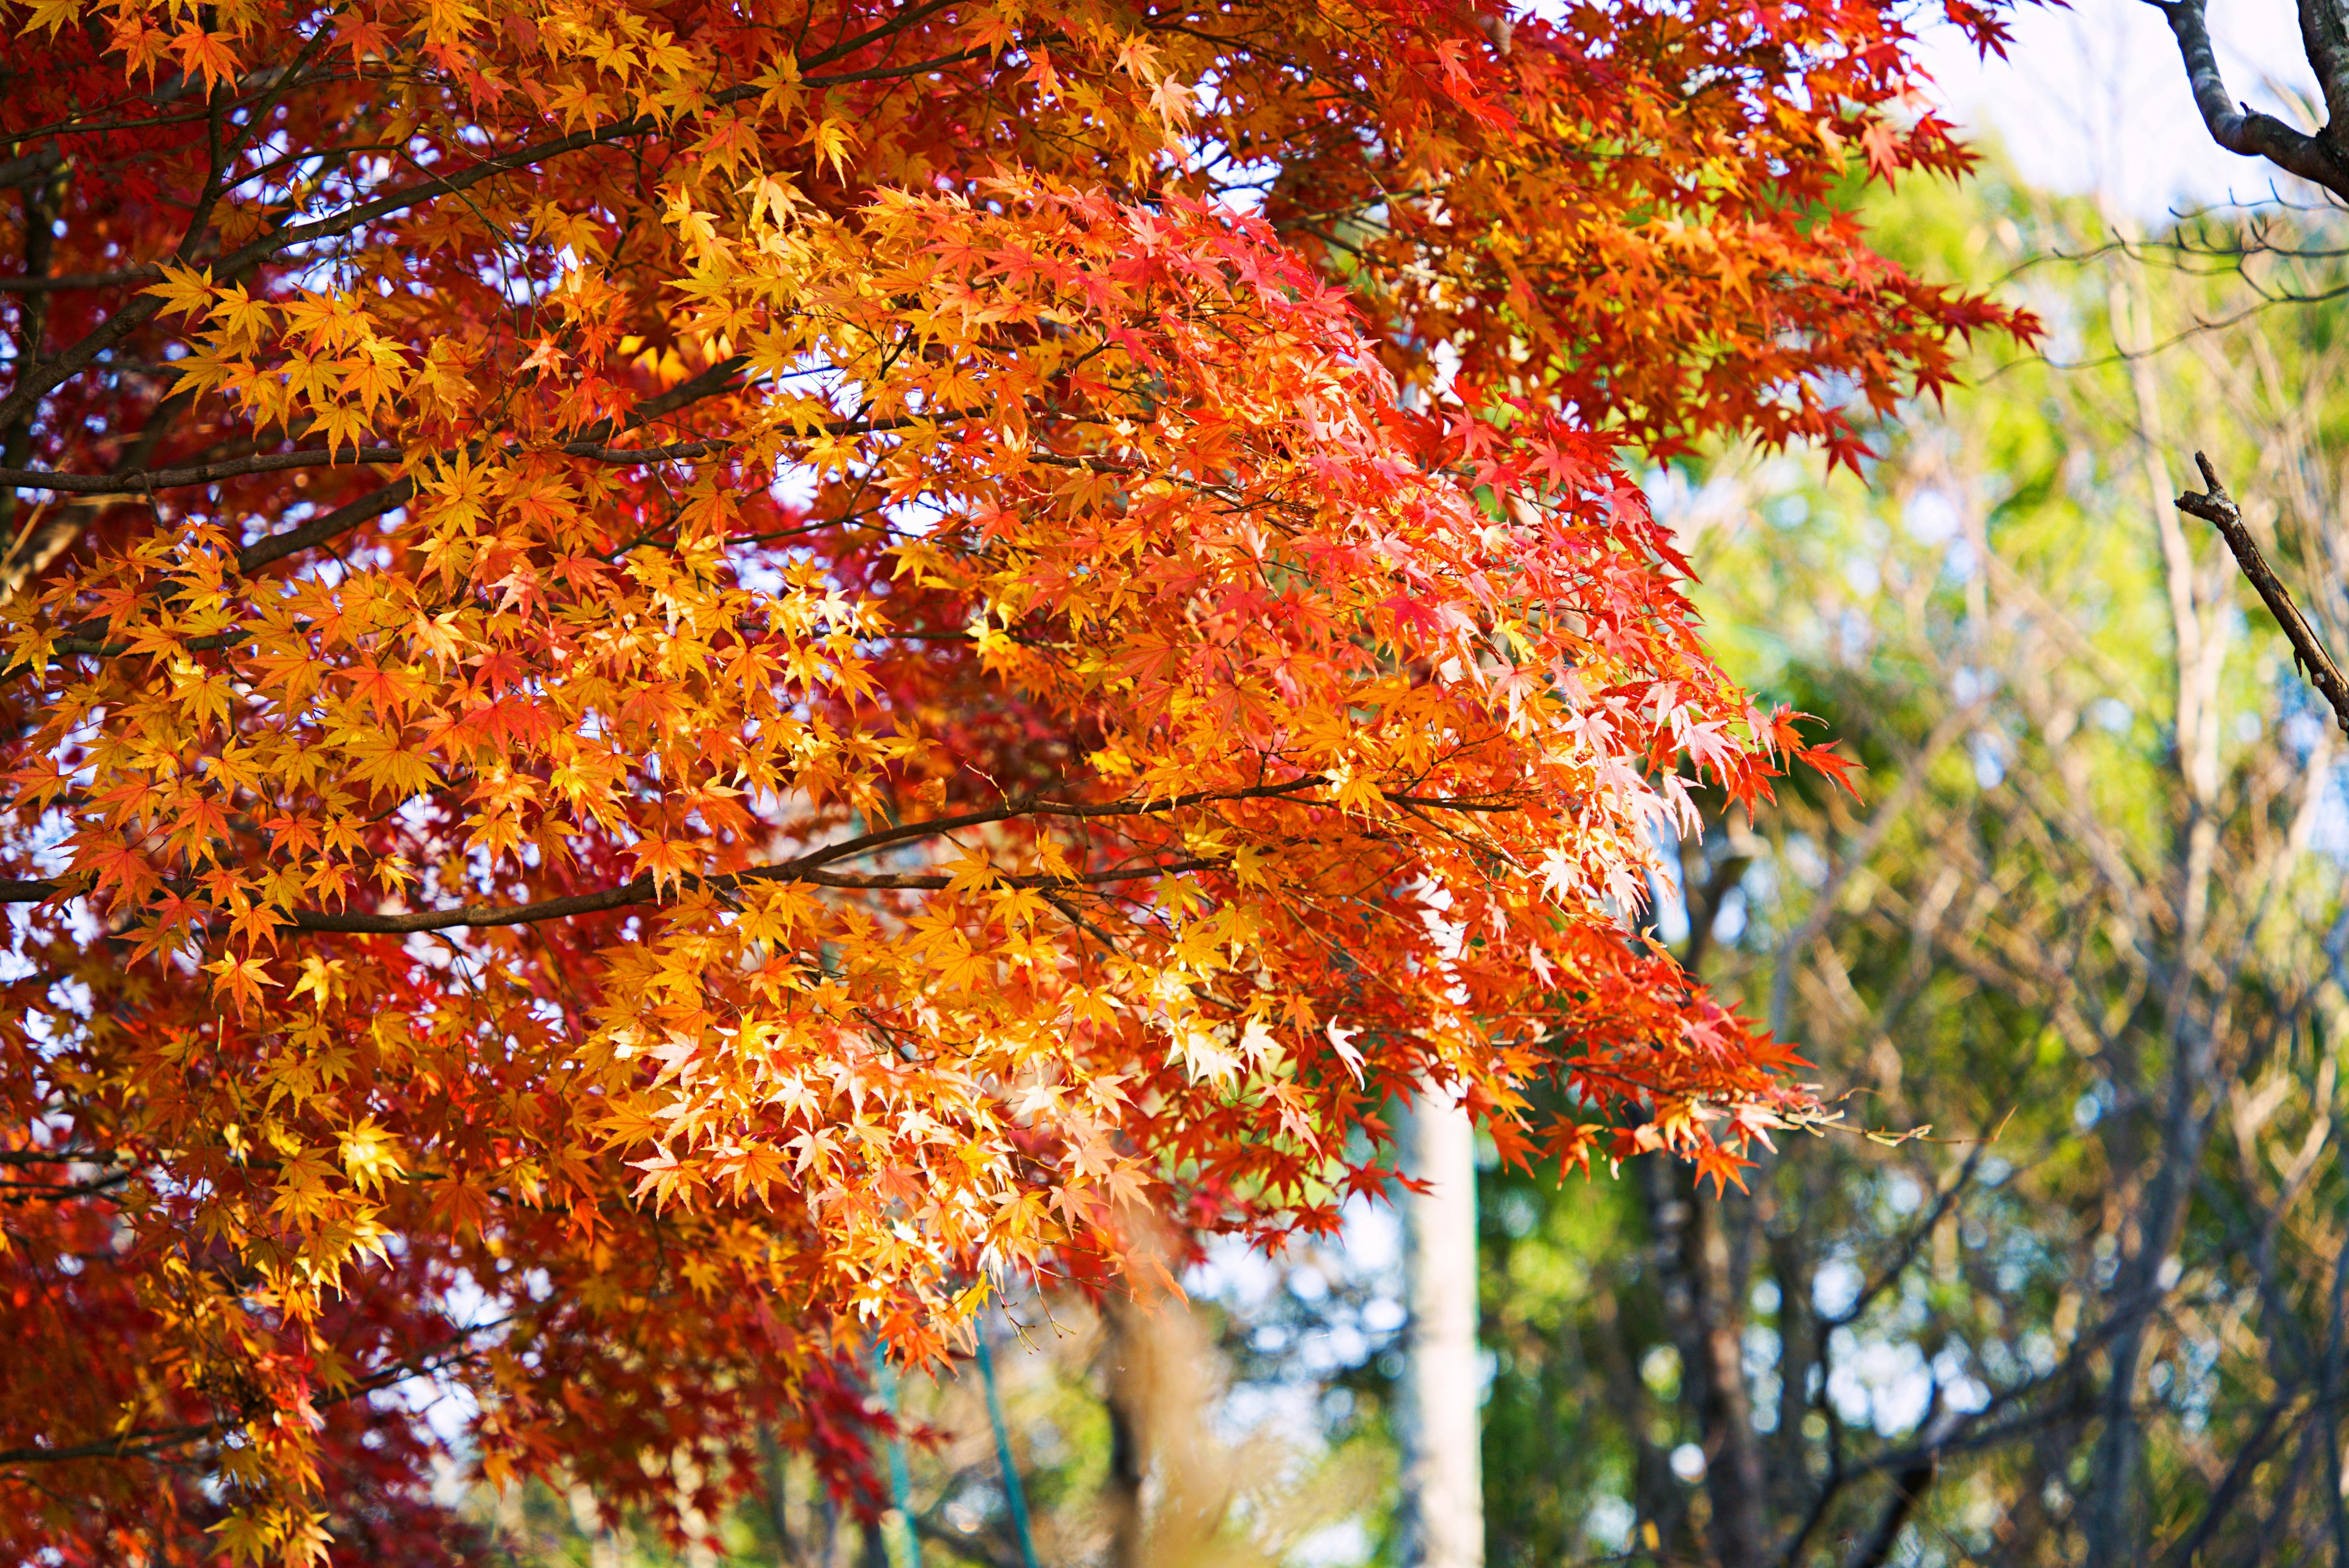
[
  {"x": 1443, "y": 1501},
  {"x": 2200, "y": 600}
]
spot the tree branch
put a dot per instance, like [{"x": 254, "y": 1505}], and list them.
[
  {"x": 805, "y": 869},
  {"x": 2216, "y": 507},
  {"x": 16, "y": 1192},
  {"x": 141, "y": 1444},
  {"x": 2237, "y": 127},
  {"x": 888, "y": 73},
  {"x": 644, "y": 890},
  {"x": 37, "y": 382},
  {"x": 1908, "y": 1488},
  {"x": 142, "y": 482},
  {"x": 896, "y": 24},
  {"x": 76, "y": 282},
  {"x": 344, "y": 518}
]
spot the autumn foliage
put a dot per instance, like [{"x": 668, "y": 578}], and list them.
[{"x": 688, "y": 677}]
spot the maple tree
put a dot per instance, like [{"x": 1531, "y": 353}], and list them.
[{"x": 685, "y": 680}]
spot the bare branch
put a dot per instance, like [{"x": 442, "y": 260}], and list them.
[
  {"x": 2237, "y": 127},
  {"x": 16, "y": 1192},
  {"x": 2216, "y": 507},
  {"x": 1908, "y": 1488}
]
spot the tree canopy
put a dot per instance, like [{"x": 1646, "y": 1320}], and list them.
[{"x": 683, "y": 678}]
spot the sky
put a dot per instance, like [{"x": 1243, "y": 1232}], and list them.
[{"x": 2093, "y": 99}]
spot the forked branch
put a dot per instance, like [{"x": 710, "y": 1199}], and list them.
[
  {"x": 2217, "y": 508},
  {"x": 2239, "y": 127}
]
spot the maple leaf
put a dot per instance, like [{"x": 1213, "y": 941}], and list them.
[
  {"x": 119, "y": 865},
  {"x": 664, "y": 1179},
  {"x": 386, "y": 692},
  {"x": 461, "y": 1204},
  {"x": 1882, "y": 143},
  {"x": 185, "y": 291},
  {"x": 370, "y": 1154},
  {"x": 51, "y": 14},
  {"x": 246, "y": 1535},
  {"x": 668, "y": 863},
  {"x": 204, "y": 53},
  {"x": 1342, "y": 1041},
  {"x": 243, "y": 979}
]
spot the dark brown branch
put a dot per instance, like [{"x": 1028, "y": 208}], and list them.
[
  {"x": 887, "y": 73},
  {"x": 251, "y": 90},
  {"x": 806, "y": 869},
  {"x": 588, "y": 448},
  {"x": 674, "y": 452},
  {"x": 2237, "y": 127},
  {"x": 2251, "y": 1452},
  {"x": 341, "y": 520},
  {"x": 319, "y": 530},
  {"x": 141, "y": 483},
  {"x": 1911, "y": 1244},
  {"x": 642, "y": 890},
  {"x": 367, "y": 508},
  {"x": 2324, "y": 40},
  {"x": 15, "y": 1192},
  {"x": 1908, "y": 1488},
  {"x": 75, "y": 282},
  {"x": 37, "y": 383},
  {"x": 141, "y": 1444},
  {"x": 898, "y": 24},
  {"x": 1031, "y": 806},
  {"x": 91, "y": 648},
  {"x": 32, "y": 169},
  {"x": 2216, "y": 507}
]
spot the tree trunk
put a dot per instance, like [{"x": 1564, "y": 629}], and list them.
[
  {"x": 775, "y": 1472},
  {"x": 1128, "y": 1379},
  {"x": 1442, "y": 1503},
  {"x": 1705, "y": 1317}
]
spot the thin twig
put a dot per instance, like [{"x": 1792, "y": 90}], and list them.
[{"x": 2216, "y": 507}]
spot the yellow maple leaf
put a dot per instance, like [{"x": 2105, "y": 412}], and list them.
[{"x": 185, "y": 291}]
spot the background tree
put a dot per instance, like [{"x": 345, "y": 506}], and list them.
[
  {"x": 2087, "y": 923},
  {"x": 1438, "y": 1400},
  {"x": 685, "y": 680}
]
